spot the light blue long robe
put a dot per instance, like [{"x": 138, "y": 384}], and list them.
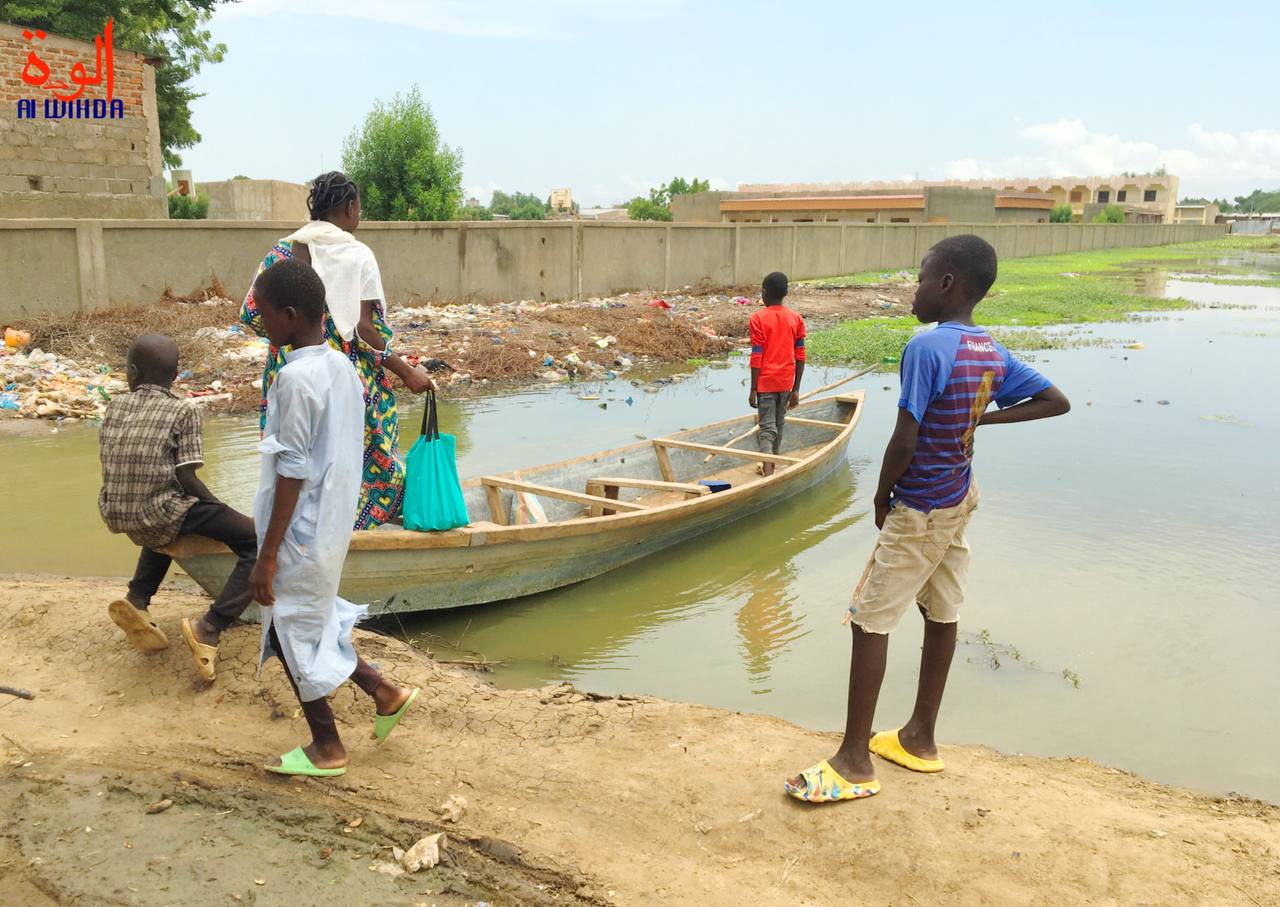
[{"x": 314, "y": 432}]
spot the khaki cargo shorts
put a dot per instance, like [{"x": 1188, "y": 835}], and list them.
[{"x": 920, "y": 558}]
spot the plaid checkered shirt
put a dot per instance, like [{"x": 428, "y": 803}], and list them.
[{"x": 146, "y": 435}]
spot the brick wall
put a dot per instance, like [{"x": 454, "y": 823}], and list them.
[{"x": 70, "y": 167}]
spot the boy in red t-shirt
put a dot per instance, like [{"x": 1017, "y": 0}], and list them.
[{"x": 777, "y": 363}]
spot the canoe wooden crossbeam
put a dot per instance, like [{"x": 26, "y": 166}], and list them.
[
  {"x": 816, "y": 423},
  {"x": 498, "y": 513},
  {"x": 660, "y": 446},
  {"x": 607, "y": 486}
]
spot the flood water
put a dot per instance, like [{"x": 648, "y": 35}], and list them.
[{"x": 1130, "y": 547}]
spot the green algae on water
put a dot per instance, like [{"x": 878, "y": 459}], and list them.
[{"x": 1073, "y": 288}]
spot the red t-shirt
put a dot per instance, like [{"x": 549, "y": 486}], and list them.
[{"x": 777, "y": 343}]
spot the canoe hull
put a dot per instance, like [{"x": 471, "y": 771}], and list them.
[{"x": 510, "y": 562}]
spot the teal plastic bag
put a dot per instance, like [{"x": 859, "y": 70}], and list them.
[{"x": 432, "y": 494}]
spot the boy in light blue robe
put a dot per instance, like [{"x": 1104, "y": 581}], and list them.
[{"x": 309, "y": 488}]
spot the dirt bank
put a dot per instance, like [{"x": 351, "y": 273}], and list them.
[
  {"x": 571, "y": 798},
  {"x": 479, "y": 346}
]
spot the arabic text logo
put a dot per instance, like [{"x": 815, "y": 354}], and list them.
[{"x": 66, "y": 102}]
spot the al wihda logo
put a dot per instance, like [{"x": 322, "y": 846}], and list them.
[{"x": 66, "y": 103}]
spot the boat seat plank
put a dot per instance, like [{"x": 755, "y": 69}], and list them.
[
  {"x": 493, "y": 483},
  {"x": 608, "y": 486},
  {"x": 650, "y": 484},
  {"x": 663, "y": 443},
  {"x": 817, "y": 423}
]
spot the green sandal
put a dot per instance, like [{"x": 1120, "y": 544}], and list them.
[
  {"x": 296, "y": 762},
  {"x": 383, "y": 725}
]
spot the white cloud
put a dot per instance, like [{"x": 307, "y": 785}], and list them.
[
  {"x": 1209, "y": 159},
  {"x": 468, "y": 18},
  {"x": 1059, "y": 132}
]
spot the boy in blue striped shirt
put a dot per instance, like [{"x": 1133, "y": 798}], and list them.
[{"x": 950, "y": 375}]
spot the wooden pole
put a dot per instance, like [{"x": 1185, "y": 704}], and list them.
[{"x": 817, "y": 390}]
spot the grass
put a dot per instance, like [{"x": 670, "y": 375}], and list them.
[{"x": 1074, "y": 288}]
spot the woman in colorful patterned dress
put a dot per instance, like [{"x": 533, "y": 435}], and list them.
[{"x": 355, "y": 324}]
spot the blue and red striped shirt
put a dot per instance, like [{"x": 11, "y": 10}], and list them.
[{"x": 949, "y": 376}]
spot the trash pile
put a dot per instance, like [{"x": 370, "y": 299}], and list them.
[
  {"x": 43, "y": 385},
  {"x": 69, "y": 366},
  {"x": 35, "y": 384}
]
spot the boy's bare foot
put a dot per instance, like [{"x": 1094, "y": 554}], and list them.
[
  {"x": 333, "y": 756},
  {"x": 918, "y": 742},
  {"x": 390, "y": 698},
  {"x": 205, "y": 633},
  {"x": 850, "y": 767}
]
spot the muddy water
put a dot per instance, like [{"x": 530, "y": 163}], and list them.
[{"x": 1129, "y": 547}]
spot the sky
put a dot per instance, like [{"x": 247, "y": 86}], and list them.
[{"x": 610, "y": 97}]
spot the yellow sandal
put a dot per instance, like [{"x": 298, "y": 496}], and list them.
[
  {"x": 823, "y": 784},
  {"x": 886, "y": 745}
]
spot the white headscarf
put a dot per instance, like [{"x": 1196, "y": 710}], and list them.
[{"x": 348, "y": 269}]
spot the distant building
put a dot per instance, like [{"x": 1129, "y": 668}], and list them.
[
  {"x": 257, "y": 200},
  {"x": 604, "y": 214},
  {"x": 92, "y": 156},
  {"x": 471, "y": 203},
  {"x": 1151, "y": 197},
  {"x": 1253, "y": 222},
  {"x": 934, "y": 204},
  {"x": 561, "y": 199},
  {"x": 1196, "y": 214}
]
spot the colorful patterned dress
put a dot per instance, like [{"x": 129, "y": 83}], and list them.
[{"x": 382, "y": 484}]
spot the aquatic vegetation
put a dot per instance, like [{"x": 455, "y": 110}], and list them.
[
  {"x": 990, "y": 653},
  {"x": 1073, "y": 288}
]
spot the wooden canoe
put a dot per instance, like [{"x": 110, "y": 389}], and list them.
[{"x": 553, "y": 525}]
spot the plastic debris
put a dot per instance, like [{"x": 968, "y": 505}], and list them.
[
  {"x": 425, "y": 853},
  {"x": 659, "y": 304},
  {"x": 15, "y": 339},
  {"x": 451, "y": 809}
]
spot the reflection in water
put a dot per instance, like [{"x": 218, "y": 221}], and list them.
[
  {"x": 564, "y": 633},
  {"x": 767, "y": 624}
]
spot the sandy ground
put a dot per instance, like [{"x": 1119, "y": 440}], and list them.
[{"x": 571, "y": 798}]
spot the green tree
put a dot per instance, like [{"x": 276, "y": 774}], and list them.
[
  {"x": 1257, "y": 201},
  {"x": 1111, "y": 214},
  {"x": 1061, "y": 214},
  {"x": 519, "y": 205},
  {"x": 474, "y": 212},
  {"x": 172, "y": 29},
  {"x": 641, "y": 208},
  {"x": 402, "y": 168},
  {"x": 189, "y": 207},
  {"x": 658, "y": 205}
]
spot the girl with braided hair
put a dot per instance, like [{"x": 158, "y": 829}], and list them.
[{"x": 355, "y": 324}]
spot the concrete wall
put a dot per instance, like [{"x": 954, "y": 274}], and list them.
[
  {"x": 53, "y": 265},
  {"x": 696, "y": 207},
  {"x": 256, "y": 200},
  {"x": 959, "y": 205},
  {"x": 70, "y": 163}
]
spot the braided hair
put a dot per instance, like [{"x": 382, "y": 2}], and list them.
[{"x": 329, "y": 191}]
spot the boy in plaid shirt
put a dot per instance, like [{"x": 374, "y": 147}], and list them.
[{"x": 150, "y": 447}]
